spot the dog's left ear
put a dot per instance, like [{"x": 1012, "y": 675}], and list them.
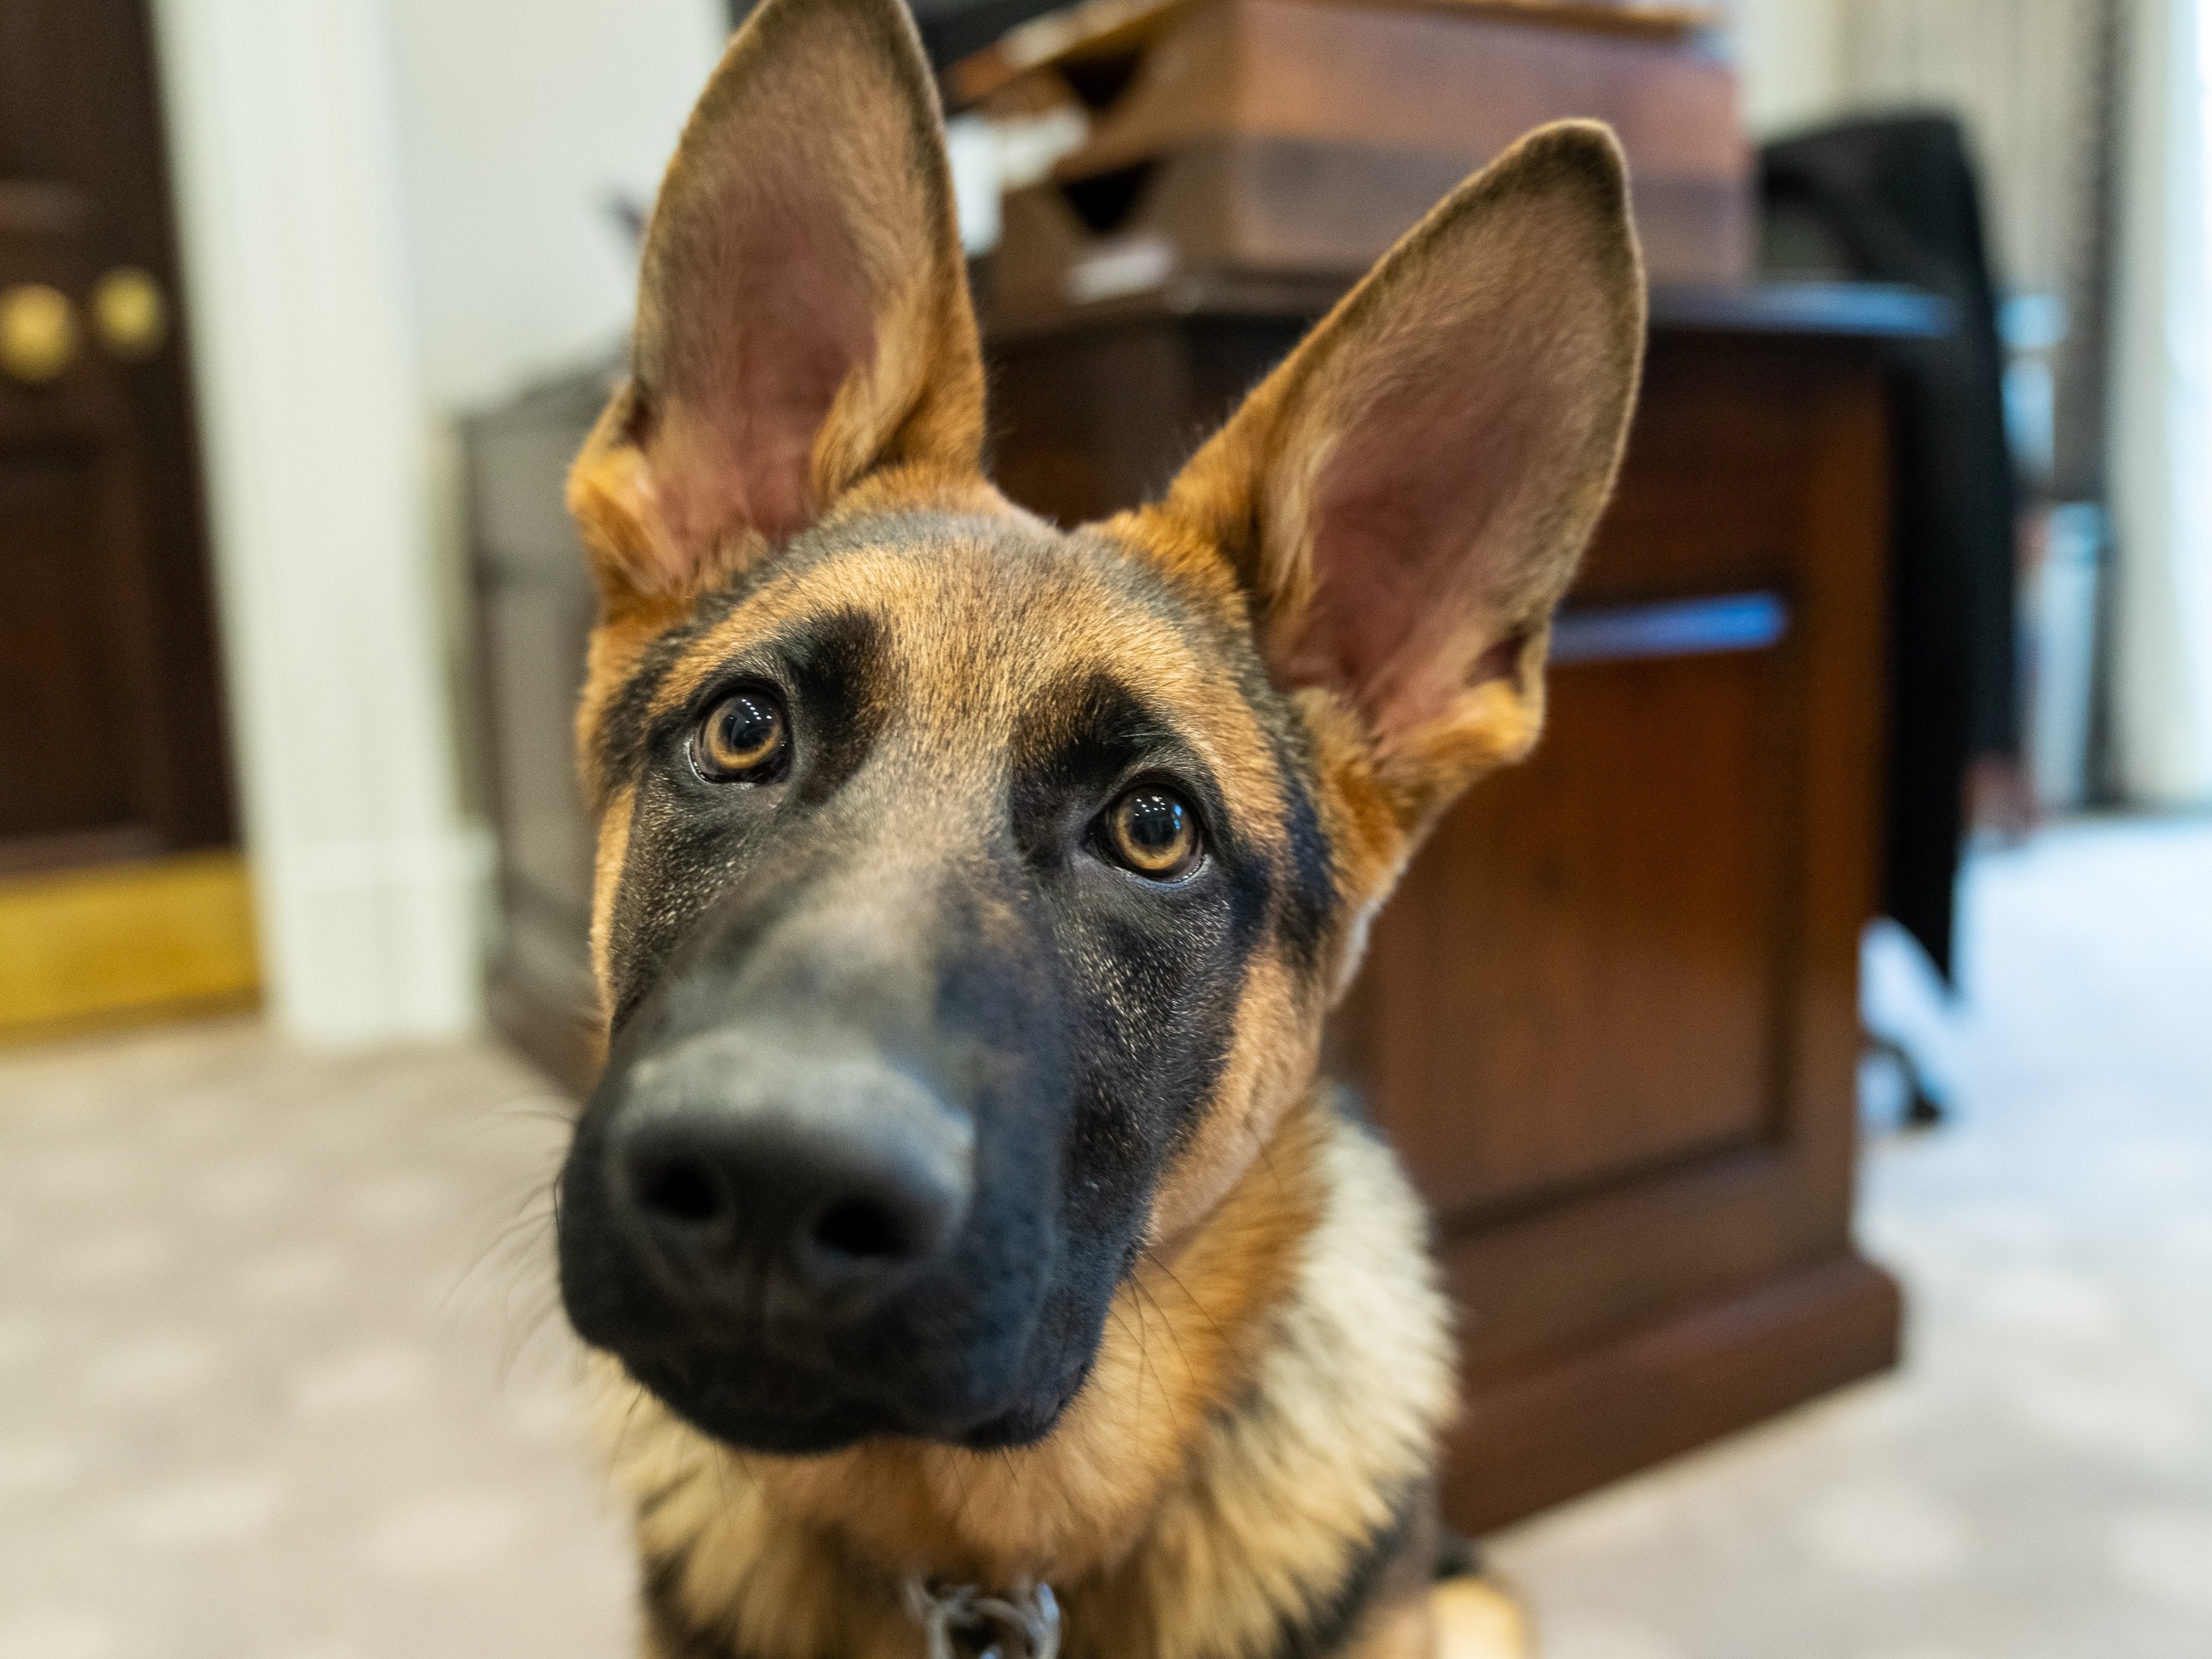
[
  {"x": 802, "y": 316},
  {"x": 1405, "y": 499}
]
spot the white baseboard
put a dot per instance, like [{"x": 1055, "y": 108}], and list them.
[
  {"x": 376, "y": 941},
  {"x": 287, "y": 150}
]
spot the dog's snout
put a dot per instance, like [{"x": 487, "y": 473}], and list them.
[
  {"x": 812, "y": 1190},
  {"x": 832, "y": 1212}
]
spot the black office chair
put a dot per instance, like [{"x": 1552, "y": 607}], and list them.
[{"x": 1894, "y": 199}]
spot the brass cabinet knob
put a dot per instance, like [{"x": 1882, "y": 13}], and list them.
[
  {"x": 130, "y": 313},
  {"x": 38, "y": 332}
]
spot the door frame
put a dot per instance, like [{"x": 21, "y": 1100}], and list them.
[{"x": 285, "y": 148}]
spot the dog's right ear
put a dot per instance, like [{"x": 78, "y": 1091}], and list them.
[{"x": 803, "y": 317}]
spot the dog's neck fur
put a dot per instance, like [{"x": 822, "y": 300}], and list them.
[{"x": 1249, "y": 1460}]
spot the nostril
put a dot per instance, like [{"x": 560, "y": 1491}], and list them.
[
  {"x": 681, "y": 1191},
  {"x": 860, "y": 1229}
]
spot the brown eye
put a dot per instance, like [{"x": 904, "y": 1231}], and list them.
[
  {"x": 1154, "y": 832},
  {"x": 741, "y": 739}
]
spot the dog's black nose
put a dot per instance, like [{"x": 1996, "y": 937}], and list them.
[{"x": 804, "y": 1188}]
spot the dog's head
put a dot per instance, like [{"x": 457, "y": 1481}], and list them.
[{"x": 970, "y": 891}]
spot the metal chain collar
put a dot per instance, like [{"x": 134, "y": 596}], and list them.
[{"x": 960, "y": 1622}]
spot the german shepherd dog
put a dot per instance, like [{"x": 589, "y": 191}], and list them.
[{"x": 970, "y": 1253}]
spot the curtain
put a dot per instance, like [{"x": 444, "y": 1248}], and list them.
[
  {"x": 2029, "y": 79},
  {"x": 2161, "y": 412}
]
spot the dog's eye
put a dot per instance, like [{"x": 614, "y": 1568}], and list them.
[
  {"x": 1153, "y": 831},
  {"x": 742, "y": 740}
]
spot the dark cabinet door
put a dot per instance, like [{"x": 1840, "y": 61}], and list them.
[
  {"x": 111, "y": 727},
  {"x": 1611, "y": 1016}
]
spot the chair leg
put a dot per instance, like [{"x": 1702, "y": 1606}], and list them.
[
  {"x": 1925, "y": 1105},
  {"x": 1923, "y": 1111}
]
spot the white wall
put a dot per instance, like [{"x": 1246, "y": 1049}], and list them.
[
  {"x": 1790, "y": 56},
  {"x": 386, "y": 208},
  {"x": 518, "y": 120}
]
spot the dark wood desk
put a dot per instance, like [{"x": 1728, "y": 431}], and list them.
[{"x": 1611, "y": 1017}]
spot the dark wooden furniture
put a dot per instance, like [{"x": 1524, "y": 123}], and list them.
[
  {"x": 1611, "y": 1017},
  {"x": 534, "y": 608},
  {"x": 111, "y": 723}
]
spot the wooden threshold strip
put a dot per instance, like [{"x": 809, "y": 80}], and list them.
[{"x": 126, "y": 941}]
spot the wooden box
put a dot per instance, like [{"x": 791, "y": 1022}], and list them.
[{"x": 1302, "y": 137}]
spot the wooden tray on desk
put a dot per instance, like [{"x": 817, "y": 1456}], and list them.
[
  {"x": 1264, "y": 136},
  {"x": 1101, "y": 29}
]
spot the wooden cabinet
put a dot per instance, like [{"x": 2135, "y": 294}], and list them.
[{"x": 1610, "y": 1018}]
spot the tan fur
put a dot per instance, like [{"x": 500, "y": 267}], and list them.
[
  {"x": 652, "y": 486},
  {"x": 1275, "y": 1373}
]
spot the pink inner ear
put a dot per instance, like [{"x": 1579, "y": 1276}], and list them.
[
  {"x": 773, "y": 313},
  {"x": 1421, "y": 517}
]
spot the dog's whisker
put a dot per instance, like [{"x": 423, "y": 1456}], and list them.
[
  {"x": 1137, "y": 1393},
  {"x": 621, "y": 1438},
  {"x": 1174, "y": 1416},
  {"x": 541, "y": 1318},
  {"x": 1174, "y": 1336},
  {"x": 1204, "y": 1312},
  {"x": 721, "y": 1483},
  {"x": 526, "y": 1231},
  {"x": 955, "y": 1467},
  {"x": 745, "y": 1467}
]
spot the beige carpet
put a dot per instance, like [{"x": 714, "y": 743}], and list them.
[
  {"x": 272, "y": 1387},
  {"x": 280, "y": 1378}
]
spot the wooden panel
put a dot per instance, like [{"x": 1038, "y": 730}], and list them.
[
  {"x": 1290, "y": 206},
  {"x": 125, "y": 940},
  {"x": 62, "y": 710},
  {"x": 1713, "y": 494},
  {"x": 1440, "y": 79},
  {"x": 80, "y": 119},
  {"x": 85, "y": 750},
  {"x": 1556, "y": 1431},
  {"x": 1061, "y": 406},
  {"x": 1579, "y": 977}
]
